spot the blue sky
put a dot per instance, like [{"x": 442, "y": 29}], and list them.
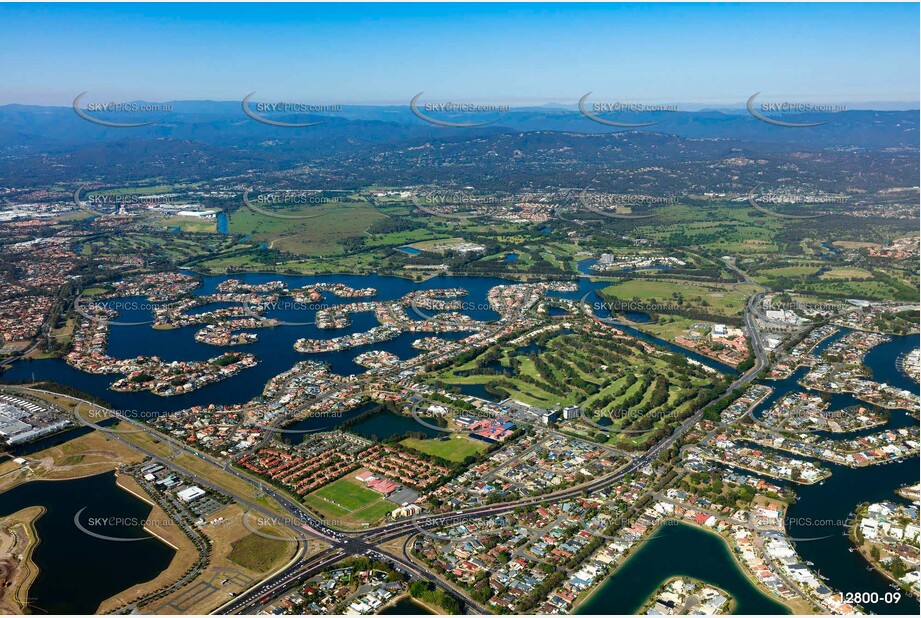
[{"x": 511, "y": 53}]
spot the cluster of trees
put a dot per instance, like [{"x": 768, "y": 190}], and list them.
[
  {"x": 899, "y": 323},
  {"x": 711, "y": 486},
  {"x": 394, "y": 225},
  {"x": 428, "y": 593}
]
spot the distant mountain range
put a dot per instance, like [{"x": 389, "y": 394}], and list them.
[{"x": 199, "y": 139}]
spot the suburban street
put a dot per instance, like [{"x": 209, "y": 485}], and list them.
[{"x": 303, "y": 525}]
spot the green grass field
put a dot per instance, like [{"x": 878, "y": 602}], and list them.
[
  {"x": 348, "y": 503},
  {"x": 455, "y": 449},
  {"x": 847, "y": 273},
  {"x": 186, "y": 224},
  {"x": 713, "y": 298},
  {"x": 790, "y": 271},
  {"x": 320, "y": 235},
  {"x": 373, "y": 512},
  {"x": 347, "y": 494},
  {"x": 325, "y": 508}
]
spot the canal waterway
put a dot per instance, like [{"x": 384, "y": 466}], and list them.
[
  {"x": 678, "y": 550},
  {"x": 821, "y": 510},
  {"x": 275, "y": 347},
  {"x": 825, "y": 510},
  {"x": 833, "y": 500}
]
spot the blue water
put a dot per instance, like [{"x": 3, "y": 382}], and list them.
[
  {"x": 78, "y": 571},
  {"x": 276, "y": 354},
  {"x": 409, "y": 250},
  {"x": 323, "y": 423},
  {"x": 511, "y": 257},
  {"x": 816, "y": 515},
  {"x": 387, "y": 424},
  {"x": 884, "y": 357},
  {"x": 585, "y": 266},
  {"x": 475, "y": 390},
  {"x": 638, "y": 317},
  {"x": 672, "y": 551},
  {"x": 275, "y": 347},
  {"x": 840, "y": 494},
  {"x": 222, "y": 227}
]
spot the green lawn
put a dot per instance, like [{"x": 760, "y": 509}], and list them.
[
  {"x": 320, "y": 235},
  {"x": 847, "y": 273},
  {"x": 455, "y": 449},
  {"x": 323, "y": 507},
  {"x": 789, "y": 271},
  {"x": 716, "y": 299},
  {"x": 348, "y": 504},
  {"x": 186, "y": 224},
  {"x": 347, "y": 494},
  {"x": 373, "y": 512}
]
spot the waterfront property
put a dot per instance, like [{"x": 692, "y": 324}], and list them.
[
  {"x": 887, "y": 535},
  {"x": 673, "y": 552},
  {"x": 682, "y": 595}
]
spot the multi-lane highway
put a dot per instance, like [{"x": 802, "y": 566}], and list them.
[{"x": 305, "y": 526}]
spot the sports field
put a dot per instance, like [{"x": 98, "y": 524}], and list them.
[
  {"x": 347, "y": 494},
  {"x": 347, "y": 502},
  {"x": 455, "y": 449}
]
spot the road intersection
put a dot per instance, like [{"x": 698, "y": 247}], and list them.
[{"x": 336, "y": 544}]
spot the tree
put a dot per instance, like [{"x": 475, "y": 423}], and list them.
[{"x": 898, "y": 568}]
